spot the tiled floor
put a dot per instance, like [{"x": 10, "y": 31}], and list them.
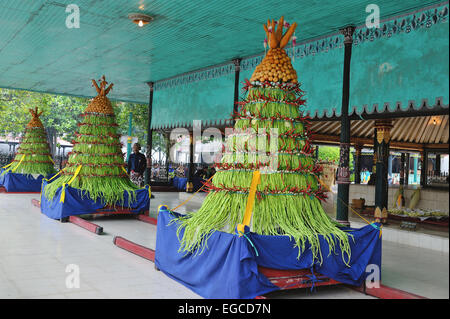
[{"x": 35, "y": 251}]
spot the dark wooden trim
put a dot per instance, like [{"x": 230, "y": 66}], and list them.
[
  {"x": 191, "y": 166},
  {"x": 149, "y": 134},
  {"x": 343, "y": 175},
  {"x": 334, "y": 139},
  {"x": 237, "y": 70},
  {"x": 386, "y": 115}
]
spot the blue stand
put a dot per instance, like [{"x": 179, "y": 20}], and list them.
[
  {"x": 77, "y": 202},
  {"x": 20, "y": 183},
  {"x": 228, "y": 266}
]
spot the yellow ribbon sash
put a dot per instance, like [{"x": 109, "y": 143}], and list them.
[
  {"x": 63, "y": 193},
  {"x": 20, "y": 162},
  {"x": 6, "y": 166},
  {"x": 256, "y": 179},
  {"x": 54, "y": 175}
]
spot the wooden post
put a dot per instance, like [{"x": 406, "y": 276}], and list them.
[
  {"x": 358, "y": 148},
  {"x": 402, "y": 168},
  {"x": 423, "y": 171},
  {"x": 190, "y": 177},
  {"x": 406, "y": 169},
  {"x": 343, "y": 173},
  {"x": 166, "y": 135},
  {"x": 237, "y": 69},
  {"x": 149, "y": 136},
  {"x": 382, "y": 139}
]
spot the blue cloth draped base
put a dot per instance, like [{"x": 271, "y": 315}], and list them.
[
  {"x": 77, "y": 202},
  {"x": 228, "y": 267},
  {"x": 15, "y": 182}
]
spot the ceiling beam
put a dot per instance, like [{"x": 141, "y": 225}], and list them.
[{"x": 334, "y": 139}]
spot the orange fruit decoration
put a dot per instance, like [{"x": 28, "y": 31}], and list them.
[
  {"x": 35, "y": 121},
  {"x": 276, "y": 65},
  {"x": 100, "y": 103}
]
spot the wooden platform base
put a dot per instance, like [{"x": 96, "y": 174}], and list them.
[
  {"x": 147, "y": 219},
  {"x": 385, "y": 292},
  {"x": 94, "y": 228},
  {"x": 134, "y": 248},
  {"x": 3, "y": 190},
  {"x": 293, "y": 279},
  {"x": 285, "y": 279}
]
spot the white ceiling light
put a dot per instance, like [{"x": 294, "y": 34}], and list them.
[{"x": 140, "y": 19}]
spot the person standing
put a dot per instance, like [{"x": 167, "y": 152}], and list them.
[{"x": 137, "y": 165}]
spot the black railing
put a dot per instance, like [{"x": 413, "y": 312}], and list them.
[
  {"x": 6, "y": 158},
  {"x": 437, "y": 178}
]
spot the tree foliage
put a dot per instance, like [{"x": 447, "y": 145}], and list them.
[
  {"x": 62, "y": 113},
  {"x": 331, "y": 154}
]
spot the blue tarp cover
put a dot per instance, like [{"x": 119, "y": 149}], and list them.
[
  {"x": 77, "y": 203},
  {"x": 180, "y": 183},
  {"x": 228, "y": 267},
  {"x": 14, "y": 182}
]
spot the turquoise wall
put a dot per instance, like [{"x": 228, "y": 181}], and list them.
[
  {"x": 404, "y": 61},
  {"x": 209, "y": 100},
  {"x": 404, "y": 67},
  {"x": 321, "y": 79}
]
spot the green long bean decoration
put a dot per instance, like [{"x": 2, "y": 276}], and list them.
[
  {"x": 33, "y": 154},
  {"x": 288, "y": 198},
  {"x": 98, "y": 150}
]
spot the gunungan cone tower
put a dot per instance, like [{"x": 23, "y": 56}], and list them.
[
  {"x": 97, "y": 159},
  {"x": 288, "y": 196},
  {"x": 33, "y": 155}
]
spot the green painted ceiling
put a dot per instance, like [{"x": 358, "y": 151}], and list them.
[{"x": 38, "y": 52}]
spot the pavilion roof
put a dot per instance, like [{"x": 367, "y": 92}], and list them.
[{"x": 187, "y": 51}]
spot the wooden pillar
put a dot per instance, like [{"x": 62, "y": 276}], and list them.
[
  {"x": 343, "y": 173},
  {"x": 423, "y": 171},
  {"x": 382, "y": 140},
  {"x": 358, "y": 148},
  {"x": 237, "y": 69},
  {"x": 402, "y": 168},
  {"x": 406, "y": 169},
  {"x": 190, "y": 177},
  {"x": 149, "y": 136},
  {"x": 167, "y": 136}
]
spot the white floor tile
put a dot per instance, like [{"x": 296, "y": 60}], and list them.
[{"x": 35, "y": 251}]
